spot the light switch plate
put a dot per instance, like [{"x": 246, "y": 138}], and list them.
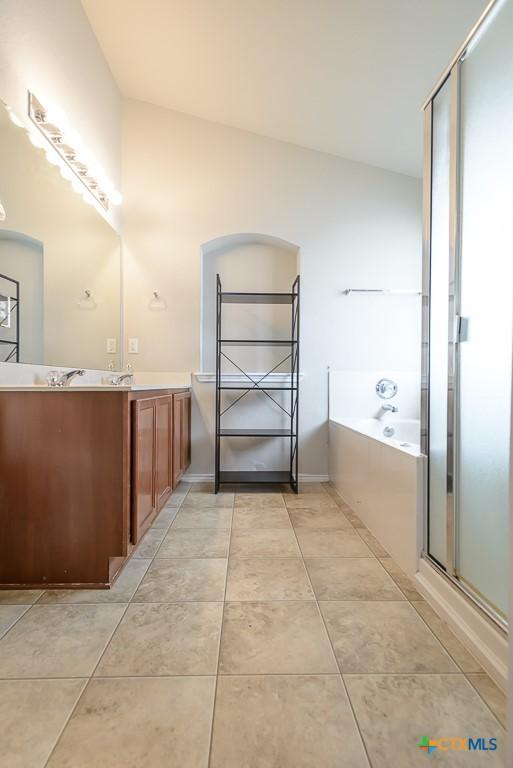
[
  {"x": 112, "y": 346},
  {"x": 133, "y": 346}
]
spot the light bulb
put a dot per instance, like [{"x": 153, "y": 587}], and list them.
[
  {"x": 116, "y": 198},
  {"x": 52, "y": 157},
  {"x": 14, "y": 118},
  {"x": 36, "y": 140},
  {"x": 66, "y": 173},
  {"x": 55, "y": 116},
  {"x": 72, "y": 139}
]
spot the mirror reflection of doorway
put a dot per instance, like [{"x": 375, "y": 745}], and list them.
[{"x": 21, "y": 298}]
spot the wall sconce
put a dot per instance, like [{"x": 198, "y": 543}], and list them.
[
  {"x": 157, "y": 303},
  {"x": 86, "y": 301},
  {"x": 76, "y": 163}
]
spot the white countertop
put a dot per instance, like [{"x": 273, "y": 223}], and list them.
[
  {"x": 31, "y": 379},
  {"x": 89, "y": 387}
]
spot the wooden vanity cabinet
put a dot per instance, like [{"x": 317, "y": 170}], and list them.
[
  {"x": 83, "y": 474},
  {"x": 152, "y": 459}
]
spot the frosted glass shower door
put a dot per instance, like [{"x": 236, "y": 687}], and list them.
[
  {"x": 439, "y": 324},
  {"x": 484, "y": 353}
]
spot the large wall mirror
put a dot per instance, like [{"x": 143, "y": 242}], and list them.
[{"x": 59, "y": 265}]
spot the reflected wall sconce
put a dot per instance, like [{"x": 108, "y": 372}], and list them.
[
  {"x": 87, "y": 301},
  {"x": 64, "y": 149},
  {"x": 3, "y": 214},
  {"x": 157, "y": 303}
]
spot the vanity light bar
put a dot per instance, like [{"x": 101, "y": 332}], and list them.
[{"x": 65, "y": 144}]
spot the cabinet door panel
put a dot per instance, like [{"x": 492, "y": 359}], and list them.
[
  {"x": 181, "y": 434},
  {"x": 164, "y": 458},
  {"x": 143, "y": 500}
]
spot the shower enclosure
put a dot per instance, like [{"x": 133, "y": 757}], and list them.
[{"x": 468, "y": 312}]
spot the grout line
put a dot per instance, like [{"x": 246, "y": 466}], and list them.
[
  {"x": 86, "y": 686},
  {"x": 485, "y": 674},
  {"x": 91, "y": 675},
  {"x": 236, "y": 674},
  {"x": 446, "y": 650},
  {"x": 355, "y": 720},
  {"x": 211, "y": 740}
]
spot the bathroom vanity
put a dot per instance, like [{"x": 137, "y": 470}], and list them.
[{"x": 83, "y": 473}]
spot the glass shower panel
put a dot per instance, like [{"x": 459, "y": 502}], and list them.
[
  {"x": 439, "y": 320},
  {"x": 484, "y": 355}
]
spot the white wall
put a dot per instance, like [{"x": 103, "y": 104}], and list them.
[
  {"x": 187, "y": 181},
  {"x": 48, "y": 46}
]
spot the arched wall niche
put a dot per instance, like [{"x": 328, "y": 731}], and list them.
[{"x": 246, "y": 262}]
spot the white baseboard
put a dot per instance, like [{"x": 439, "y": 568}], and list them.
[
  {"x": 306, "y": 478},
  {"x": 482, "y": 638}
]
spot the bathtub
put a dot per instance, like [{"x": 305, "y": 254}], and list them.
[
  {"x": 403, "y": 434},
  {"x": 380, "y": 475}
]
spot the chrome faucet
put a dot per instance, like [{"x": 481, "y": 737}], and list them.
[
  {"x": 389, "y": 407},
  {"x": 65, "y": 379},
  {"x": 116, "y": 381}
]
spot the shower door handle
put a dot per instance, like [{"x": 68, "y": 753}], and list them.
[{"x": 460, "y": 329}]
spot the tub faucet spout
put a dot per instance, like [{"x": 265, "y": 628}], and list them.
[{"x": 389, "y": 407}]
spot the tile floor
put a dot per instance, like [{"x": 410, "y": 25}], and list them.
[{"x": 249, "y": 630}]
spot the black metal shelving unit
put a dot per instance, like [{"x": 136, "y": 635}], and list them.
[
  {"x": 291, "y": 344},
  {"x": 11, "y": 346}
]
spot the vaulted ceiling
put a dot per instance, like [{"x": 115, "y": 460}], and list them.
[{"x": 346, "y": 77}]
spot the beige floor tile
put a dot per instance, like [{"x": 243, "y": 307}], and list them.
[
  {"x": 139, "y": 723},
  {"x": 194, "y": 542},
  {"x": 58, "y": 640},
  {"x": 383, "y": 638},
  {"x": 374, "y": 545},
  {"x": 149, "y": 544},
  {"x": 205, "y": 486},
  {"x": 262, "y": 578},
  {"x": 395, "y": 712},
  {"x": 259, "y": 501},
  {"x": 164, "y": 639},
  {"x": 206, "y": 499},
  {"x": 275, "y": 542},
  {"x": 184, "y": 579},
  {"x": 164, "y": 519},
  {"x": 492, "y": 695},
  {"x": 121, "y": 592},
  {"x": 19, "y": 596},
  {"x": 315, "y": 488},
  {"x": 331, "y": 543},
  {"x": 284, "y": 722},
  {"x": 353, "y": 518},
  {"x": 32, "y": 715},
  {"x": 310, "y": 501},
  {"x": 457, "y": 650},
  {"x": 351, "y": 578},
  {"x": 184, "y": 486},
  {"x": 261, "y": 518},
  {"x": 403, "y": 581},
  {"x": 189, "y": 517},
  {"x": 274, "y": 638},
  {"x": 258, "y": 488},
  {"x": 9, "y": 615},
  {"x": 320, "y": 518},
  {"x": 175, "y": 501}
]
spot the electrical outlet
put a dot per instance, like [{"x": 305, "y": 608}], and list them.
[
  {"x": 133, "y": 346},
  {"x": 112, "y": 346}
]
